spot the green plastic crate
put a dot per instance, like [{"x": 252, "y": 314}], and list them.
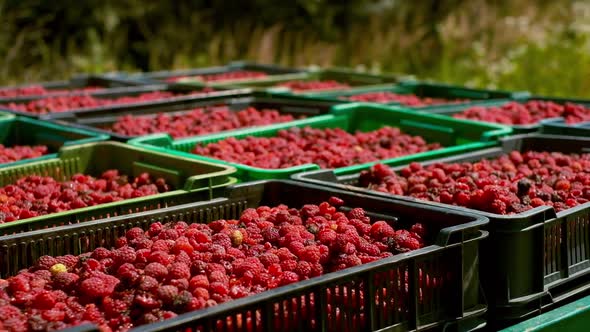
[
  {"x": 194, "y": 180},
  {"x": 456, "y": 135},
  {"x": 353, "y": 78},
  {"x": 571, "y": 317},
  {"x": 6, "y": 115},
  {"x": 423, "y": 89},
  {"x": 26, "y": 131}
]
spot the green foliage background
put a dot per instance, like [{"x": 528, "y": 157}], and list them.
[{"x": 542, "y": 46}]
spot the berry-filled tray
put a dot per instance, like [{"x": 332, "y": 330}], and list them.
[
  {"x": 524, "y": 115},
  {"x": 418, "y": 95},
  {"x": 251, "y": 271},
  {"x": 236, "y": 71},
  {"x": 47, "y": 107},
  {"x": 24, "y": 140},
  {"x": 537, "y": 256},
  {"x": 355, "y": 134},
  {"x": 334, "y": 79},
  {"x": 80, "y": 84},
  {"x": 97, "y": 180},
  {"x": 198, "y": 116}
]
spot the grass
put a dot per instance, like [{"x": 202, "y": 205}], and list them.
[{"x": 541, "y": 46}]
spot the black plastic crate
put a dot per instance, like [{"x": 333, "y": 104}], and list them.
[
  {"x": 163, "y": 76},
  {"x": 560, "y": 127},
  {"x": 450, "y": 109},
  {"x": 121, "y": 92},
  {"x": 453, "y": 257},
  {"x": 101, "y": 120},
  {"x": 77, "y": 82},
  {"x": 532, "y": 261}
]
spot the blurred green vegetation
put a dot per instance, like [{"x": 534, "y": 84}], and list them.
[{"x": 541, "y": 46}]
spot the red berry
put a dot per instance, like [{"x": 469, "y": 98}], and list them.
[
  {"x": 179, "y": 271},
  {"x": 288, "y": 277},
  {"x": 156, "y": 270}
]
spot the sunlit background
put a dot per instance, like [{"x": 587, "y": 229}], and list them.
[{"x": 541, "y": 46}]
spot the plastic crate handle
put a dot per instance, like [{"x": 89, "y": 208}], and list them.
[{"x": 457, "y": 234}]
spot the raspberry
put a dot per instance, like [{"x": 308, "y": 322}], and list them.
[
  {"x": 327, "y": 236},
  {"x": 419, "y": 229},
  {"x": 44, "y": 300},
  {"x": 352, "y": 260},
  {"x": 65, "y": 280},
  {"x": 114, "y": 307},
  {"x": 356, "y": 213},
  {"x": 127, "y": 271},
  {"x": 222, "y": 239},
  {"x": 167, "y": 293},
  {"x": 101, "y": 253},
  {"x": 289, "y": 265},
  {"x": 369, "y": 249},
  {"x": 381, "y": 229},
  {"x": 311, "y": 254},
  {"x": 46, "y": 262},
  {"x": 303, "y": 269},
  {"x": 218, "y": 276},
  {"x": 146, "y": 301},
  {"x": 156, "y": 270},
  {"x": 160, "y": 257},
  {"x": 70, "y": 261},
  {"x": 147, "y": 283},
  {"x": 97, "y": 287},
  {"x": 182, "y": 246},
  {"x": 336, "y": 201},
  {"x": 53, "y": 315},
  {"x": 288, "y": 277},
  {"x": 179, "y": 271},
  {"x": 198, "y": 281},
  {"x": 268, "y": 258},
  {"x": 124, "y": 255},
  {"x": 169, "y": 234},
  {"x": 15, "y": 324},
  {"x": 310, "y": 210},
  {"x": 201, "y": 293},
  {"x": 155, "y": 229},
  {"x": 403, "y": 241},
  {"x": 42, "y": 275},
  {"x": 218, "y": 288},
  {"x": 134, "y": 233}
]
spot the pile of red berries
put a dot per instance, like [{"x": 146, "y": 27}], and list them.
[
  {"x": 38, "y": 90},
  {"x": 299, "y": 86},
  {"x": 175, "y": 268},
  {"x": 511, "y": 183},
  {"x": 34, "y": 195},
  {"x": 531, "y": 112},
  {"x": 19, "y": 152},
  {"x": 328, "y": 148},
  {"x": 198, "y": 121},
  {"x": 412, "y": 100},
  {"x": 72, "y": 102},
  {"x": 228, "y": 76}
]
